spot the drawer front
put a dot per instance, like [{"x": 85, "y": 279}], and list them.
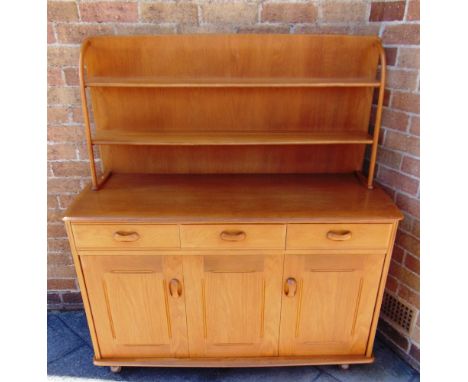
[
  {"x": 121, "y": 236},
  {"x": 232, "y": 236},
  {"x": 336, "y": 236}
]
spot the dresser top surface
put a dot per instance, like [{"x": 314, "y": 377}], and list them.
[{"x": 256, "y": 198}]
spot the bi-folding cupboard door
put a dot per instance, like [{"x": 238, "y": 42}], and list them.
[
  {"x": 233, "y": 304},
  {"x": 137, "y": 304},
  {"x": 328, "y": 303}
]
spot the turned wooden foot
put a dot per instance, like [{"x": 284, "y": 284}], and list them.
[
  {"x": 345, "y": 366},
  {"x": 116, "y": 369}
]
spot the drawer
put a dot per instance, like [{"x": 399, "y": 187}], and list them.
[
  {"x": 233, "y": 236},
  {"x": 336, "y": 236},
  {"x": 126, "y": 236}
]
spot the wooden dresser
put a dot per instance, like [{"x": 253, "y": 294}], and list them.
[{"x": 232, "y": 225}]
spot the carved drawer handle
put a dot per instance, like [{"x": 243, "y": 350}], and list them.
[
  {"x": 233, "y": 235},
  {"x": 126, "y": 236},
  {"x": 290, "y": 287},
  {"x": 339, "y": 235},
  {"x": 175, "y": 288}
]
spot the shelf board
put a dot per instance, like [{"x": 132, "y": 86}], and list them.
[
  {"x": 229, "y": 82},
  {"x": 183, "y": 138}
]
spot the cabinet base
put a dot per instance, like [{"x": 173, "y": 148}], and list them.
[{"x": 234, "y": 361}]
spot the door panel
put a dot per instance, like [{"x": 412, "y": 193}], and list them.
[
  {"x": 133, "y": 309},
  {"x": 332, "y": 307},
  {"x": 233, "y": 304}
]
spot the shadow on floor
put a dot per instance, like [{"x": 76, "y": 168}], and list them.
[{"x": 70, "y": 355}]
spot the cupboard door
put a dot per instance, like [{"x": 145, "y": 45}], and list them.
[
  {"x": 138, "y": 305},
  {"x": 233, "y": 304},
  {"x": 328, "y": 303}
]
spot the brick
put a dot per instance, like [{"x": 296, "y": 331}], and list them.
[
  {"x": 207, "y": 28},
  {"x": 415, "y": 229},
  {"x": 414, "y": 126},
  {"x": 73, "y": 168},
  {"x": 389, "y": 158},
  {"x": 60, "y": 271},
  {"x": 322, "y": 29},
  {"x": 63, "y": 96},
  {"x": 409, "y": 296},
  {"x": 394, "y": 119},
  {"x": 405, "y": 276},
  {"x": 412, "y": 13},
  {"x": 386, "y": 98},
  {"x": 365, "y": 29},
  {"x": 61, "y": 284},
  {"x": 289, "y": 13},
  {"x": 398, "y": 181},
  {"x": 264, "y": 29},
  {"x": 402, "y": 142},
  {"x": 410, "y": 243},
  {"x": 408, "y": 58},
  {"x": 76, "y": 33},
  {"x": 56, "y": 231},
  {"x": 61, "y": 151},
  {"x": 391, "y": 285},
  {"x": 186, "y": 13},
  {"x": 64, "y": 134},
  {"x": 335, "y": 11},
  {"x": 54, "y": 216},
  {"x": 50, "y": 33},
  {"x": 61, "y": 11},
  {"x": 412, "y": 263},
  {"x": 63, "y": 55},
  {"x": 59, "y": 185},
  {"x": 57, "y": 245},
  {"x": 76, "y": 114},
  {"x": 53, "y": 298},
  {"x": 387, "y": 11},
  {"x": 406, "y": 101},
  {"x": 52, "y": 201},
  {"x": 394, "y": 335},
  {"x": 398, "y": 254},
  {"x": 401, "y": 34},
  {"x": 144, "y": 29},
  {"x": 415, "y": 334},
  {"x": 406, "y": 223},
  {"x": 54, "y": 76},
  {"x": 402, "y": 79},
  {"x": 230, "y": 13},
  {"x": 109, "y": 11},
  {"x": 408, "y": 204},
  {"x": 59, "y": 258},
  {"x": 72, "y": 297},
  {"x": 66, "y": 200},
  {"x": 410, "y": 166},
  {"x": 414, "y": 352},
  {"x": 390, "y": 55},
  {"x": 71, "y": 76}
]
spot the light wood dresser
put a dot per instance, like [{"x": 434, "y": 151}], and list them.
[{"x": 232, "y": 224}]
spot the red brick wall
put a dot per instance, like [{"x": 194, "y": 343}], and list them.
[{"x": 396, "y": 22}]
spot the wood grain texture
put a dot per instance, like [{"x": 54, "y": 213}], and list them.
[
  {"x": 235, "y": 361},
  {"x": 233, "y": 198},
  {"x": 232, "y": 85},
  {"x": 89, "y": 236},
  {"x": 233, "y": 307},
  {"x": 357, "y": 236},
  {"x": 132, "y": 310},
  {"x": 332, "y": 310},
  {"x": 236, "y": 236}
]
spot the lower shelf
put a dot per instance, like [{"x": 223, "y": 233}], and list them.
[{"x": 234, "y": 362}]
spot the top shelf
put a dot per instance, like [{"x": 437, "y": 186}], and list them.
[{"x": 229, "y": 82}]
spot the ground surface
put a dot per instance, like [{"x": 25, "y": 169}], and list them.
[{"x": 69, "y": 358}]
